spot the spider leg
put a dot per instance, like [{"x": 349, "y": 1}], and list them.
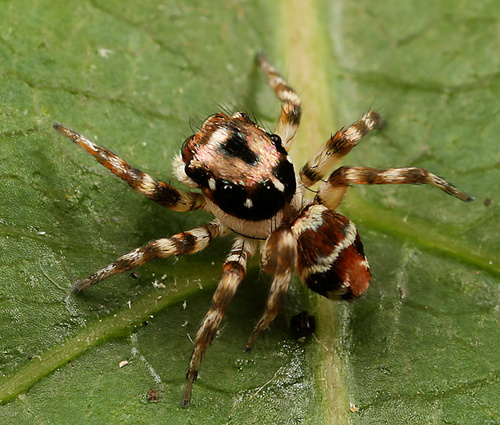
[
  {"x": 291, "y": 110},
  {"x": 338, "y": 146},
  {"x": 182, "y": 243},
  {"x": 278, "y": 256},
  {"x": 332, "y": 191},
  {"x": 233, "y": 272},
  {"x": 156, "y": 190}
]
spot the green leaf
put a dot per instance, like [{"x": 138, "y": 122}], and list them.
[{"x": 139, "y": 77}]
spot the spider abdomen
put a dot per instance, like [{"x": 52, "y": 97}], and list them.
[{"x": 330, "y": 256}]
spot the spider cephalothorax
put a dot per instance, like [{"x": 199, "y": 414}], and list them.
[
  {"x": 248, "y": 182},
  {"x": 243, "y": 171}
]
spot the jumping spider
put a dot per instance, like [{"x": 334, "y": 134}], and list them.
[{"x": 247, "y": 181}]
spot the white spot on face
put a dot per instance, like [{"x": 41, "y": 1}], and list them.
[
  {"x": 248, "y": 203},
  {"x": 211, "y": 184},
  {"x": 278, "y": 185}
]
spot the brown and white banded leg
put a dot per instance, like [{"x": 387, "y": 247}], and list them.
[
  {"x": 278, "y": 255},
  {"x": 331, "y": 192},
  {"x": 291, "y": 110},
  {"x": 338, "y": 146},
  {"x": 156, "y": 190},
  {"x": 182, "y": 243},
  {"x": 233, "y": 272}
]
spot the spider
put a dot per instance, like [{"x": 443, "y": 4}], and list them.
[{"x": 247, "y": 181}]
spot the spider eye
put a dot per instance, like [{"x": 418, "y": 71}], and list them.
[
  {"x": 186, "y": 150},
  {"x": 276, "y": 139},
  {"x": 242, "y": 115},
  {"x": 278, "y": 144},
  {"x": 199, "y": 175},
  {"x": 227, "y": 193}
]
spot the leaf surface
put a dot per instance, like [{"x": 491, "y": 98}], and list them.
[{"x": 138, "y": 78}]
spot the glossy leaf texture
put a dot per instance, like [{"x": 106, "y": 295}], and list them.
[{"x": 140, "y": 77}]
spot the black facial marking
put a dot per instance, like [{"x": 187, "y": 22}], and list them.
[
  {"x": 237, "y": 147},
  {"x": 230, "y": 197},
  {"x": 265, "y": 199}
]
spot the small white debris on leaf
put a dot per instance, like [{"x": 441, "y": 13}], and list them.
[{"x": 104, "y": 53}]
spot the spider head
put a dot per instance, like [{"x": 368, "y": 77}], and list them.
[{"x": 241, "y": 169}]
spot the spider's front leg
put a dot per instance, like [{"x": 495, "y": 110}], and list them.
[
  {"x": 332, "y": 191},
  {"x": 233, "y": 272},
  {"x": 180, "y": 244},
  {"x": 338, "y": 146},
  {"x": 291, "y": 111},
  {"x": 278, "y": 258},
  {"x": 157, "y": 191}
]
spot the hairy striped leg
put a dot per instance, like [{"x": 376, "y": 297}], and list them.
[
  {"x": 278, "y": 257},
  {"x": 182, "y": 243},
  {"x": 338, "y": 146},
  {"x": 156, "y": 190},
  {"x": 233, "y": 272},
  {"x": 291, "y": 110},
  {"x": 332, "y": 191}
]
